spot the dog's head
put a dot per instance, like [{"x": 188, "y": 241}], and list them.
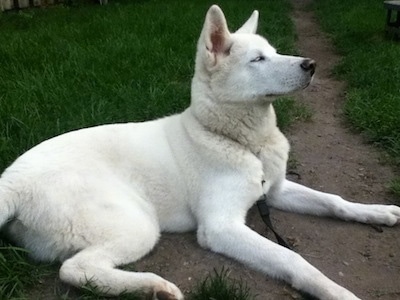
[{"x": 243, "y": 66}]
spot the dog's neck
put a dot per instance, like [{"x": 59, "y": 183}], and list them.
[{"x": 249, "y": 124}]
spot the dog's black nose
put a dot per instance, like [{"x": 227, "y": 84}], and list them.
[{"x": 309, "y": 65}]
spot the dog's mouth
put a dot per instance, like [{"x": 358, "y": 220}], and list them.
[
  {"x": 307, "y": 85},
  {"x": 309, "y": 82},
  {"x": 289, "y": 92},
  {"x": 296, "y": 86}
]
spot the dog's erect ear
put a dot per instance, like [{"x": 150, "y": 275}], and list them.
[
  {"x": 251, "y": 24},
  {"x": 215, "y": 34}
]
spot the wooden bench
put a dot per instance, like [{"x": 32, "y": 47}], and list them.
[{"x": 392, "y": 23}]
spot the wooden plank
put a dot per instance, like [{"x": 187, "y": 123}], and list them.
[
  {"x": 6, "y": 4},
  {"x": 394, "y": 5},
  {"x": 23, "y": 3},
  {"x": 9, "y": 4}
]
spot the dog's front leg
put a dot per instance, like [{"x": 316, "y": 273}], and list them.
[
  {"x": 294, "y": 197},
  {"x": 237, "y": 241}
]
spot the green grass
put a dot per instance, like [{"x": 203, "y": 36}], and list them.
[
  {"x": 17, "y": 272},
  {"x": 91, "y": 292},
  {"x": 68, "y": 67},
  {"x": 394, "y": 186},
  {"x": 219, "y": 286},
  {"x": 290, "y": 111},
  {"x": 370, "y": 66}
]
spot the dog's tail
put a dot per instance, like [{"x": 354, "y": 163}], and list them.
[{"x": 8, "y": 200}]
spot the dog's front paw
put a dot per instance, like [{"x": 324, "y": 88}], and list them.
[
  {"x": 393, "y": 215},
  {"x": 388, "y": 215}
]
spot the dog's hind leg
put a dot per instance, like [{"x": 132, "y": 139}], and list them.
[
  {"x": 294, "y": 197},
  {"x": 96, "y": 266},
  {"x": 125, "y": 235}
]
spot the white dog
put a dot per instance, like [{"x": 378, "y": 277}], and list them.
[{"x": 98, "y": 198}]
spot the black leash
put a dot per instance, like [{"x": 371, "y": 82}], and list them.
[{"x": 264, "y": 212}]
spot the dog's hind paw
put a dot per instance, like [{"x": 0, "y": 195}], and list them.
[
  {"x": 163, "y": 295},
  {"x": 168, "y": 292}
]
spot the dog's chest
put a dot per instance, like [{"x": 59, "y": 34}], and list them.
[{"x": 273, "y": 153}]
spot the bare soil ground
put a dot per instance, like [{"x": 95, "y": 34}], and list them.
[{"x": 330, "y": 158}]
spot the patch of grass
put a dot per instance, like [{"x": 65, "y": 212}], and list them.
[
  {"x": 72, "y": 66},
  {"x": 289, "y": 111},
  {"x": 91, "y": 292},
  {"x": 395, "y": 188},
  {"x": 370, "y": 66},
  {"x": 219, "y": 286},
  {"x": 18, "y": 273}
]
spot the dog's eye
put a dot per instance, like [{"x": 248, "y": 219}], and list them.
[{"x": 258, "y": 58}]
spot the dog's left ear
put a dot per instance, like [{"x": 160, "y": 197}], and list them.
[
  {"x": 251, "y": 24},
  {"x": 215, "y": 35}
]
